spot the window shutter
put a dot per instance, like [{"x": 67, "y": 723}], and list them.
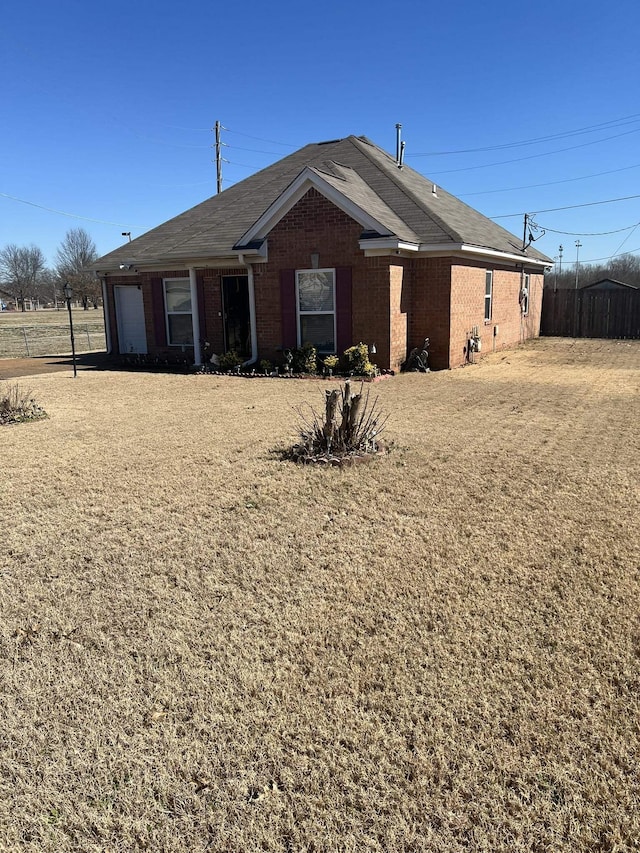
[
  {"x": 288, "y": 308},
  {"x": 343, "y": 309},
  {"x": 159, "y": 325},
  {"x": 202, "y": 317}
]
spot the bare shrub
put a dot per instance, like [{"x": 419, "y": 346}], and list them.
[
  {"x": 349, "y": 429},
  {"x": 18, "y": 404}
]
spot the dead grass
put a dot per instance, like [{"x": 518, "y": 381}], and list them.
[
  {"x": 205, "y": 648},
  {"x": 45, "y": 332}
]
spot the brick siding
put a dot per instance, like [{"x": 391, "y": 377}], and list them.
[{"x": 396, "y": 302}]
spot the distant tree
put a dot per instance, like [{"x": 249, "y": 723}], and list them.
[
  {"x": 74, "y": 254},
  {"x": 20, "y": 270},
  {"x": 624, "y": 268},
  {"x": 50, "y": 287}
]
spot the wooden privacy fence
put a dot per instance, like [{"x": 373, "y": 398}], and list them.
[{"x": 591, "y": 313}]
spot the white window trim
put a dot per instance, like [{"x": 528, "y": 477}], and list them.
[
  {"x": 488, "y": 296},
  {"x": 165, "y": 282},
  {"x": 300, "y": 313}
]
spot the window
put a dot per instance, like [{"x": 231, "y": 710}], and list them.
[
  {"x": 525, "y": 293},
  {"x": 316, "y": 309},
  {"x": 488, "y": 295},
  {"x": 177, "y": 300}
]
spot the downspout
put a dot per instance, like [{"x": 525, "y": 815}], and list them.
[
  {"x": 252, "y": 309},
  {"x": 105, "y": 311},
  {"x": 195, "y": 317}
]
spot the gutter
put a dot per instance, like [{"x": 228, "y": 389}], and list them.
[{"x": 381, "y": 246}]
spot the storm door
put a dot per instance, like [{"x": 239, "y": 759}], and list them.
[
  {"x": 237, "y": 321},
  {"x": 132, "y": 334}
]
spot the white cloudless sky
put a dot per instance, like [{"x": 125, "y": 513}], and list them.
[{"x": 107, "y": 109}]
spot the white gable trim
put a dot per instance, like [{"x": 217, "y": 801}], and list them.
[
  {"x": 306, "y": 180},
  {"x": 442, "y": 250}
]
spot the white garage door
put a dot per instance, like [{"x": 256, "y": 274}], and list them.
[{"x": 132, "y": 335}]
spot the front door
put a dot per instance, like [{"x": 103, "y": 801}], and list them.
[
  {"x": 237, "y": 320},
  {"x": 132, "y": 333}
]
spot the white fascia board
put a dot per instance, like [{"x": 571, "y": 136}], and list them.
[
  {"x": 441, "y": 250},
  {"x": 306, "y": 180},
  {"x": 381, "y": 244},
  {"x": 176, "y": 263},
  {"x": 482, "y": 252}
]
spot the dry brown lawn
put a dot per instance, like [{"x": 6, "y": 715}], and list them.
[
  {"x": 205, "y": 648},
  {"x": 36, "y": 333}
]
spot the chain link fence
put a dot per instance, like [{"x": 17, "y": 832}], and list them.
[{"x": 25, "y": 341}]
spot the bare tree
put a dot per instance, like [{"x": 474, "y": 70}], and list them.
[
  {"x": 624, "y": 268},
  {"x": 20, "y": 271},
  {"x": 50, "y": 287},
  {"x": 74, "y": 254}
]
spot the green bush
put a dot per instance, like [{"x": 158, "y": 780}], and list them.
[
  {"x": 305, "y": 359},
  {"x": 331, "y": 362},
  {"x": 230, "y": 360},
  {"x": 357, "y": 361},
  {"x": 266, "y": 366},
  {"x": 18, "y": 405}
]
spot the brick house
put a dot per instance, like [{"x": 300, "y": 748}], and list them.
[{"x": 334, "y": 245}]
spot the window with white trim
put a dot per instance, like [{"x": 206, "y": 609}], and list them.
[
  {"x": 316, "y": 308},
  {"x": 525, "y": 293},
  {"x": 177, "y": 303},
  {"x": 488, "y": 295}
]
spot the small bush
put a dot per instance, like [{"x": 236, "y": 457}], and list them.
[
  {"x": 357, "y": 361},
  {"x": 305, "y": 359},
  {"x": 230, "y": 360},
  {"x": 18, "y": 405},
  {"x": 266, "y": 366},
  {"x": 331, "y": 362}
]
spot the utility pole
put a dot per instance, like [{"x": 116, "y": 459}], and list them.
[
  {"x": 578, "y": 245},
  {"x": 558, "y": 267},
  {"x": 218, "y": 159}
]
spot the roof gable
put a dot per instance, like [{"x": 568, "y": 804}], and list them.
[
  {"x": 343, "y": 187},
  {"x": 353, "y": 173}
]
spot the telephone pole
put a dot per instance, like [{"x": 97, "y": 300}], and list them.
[
  {"x": 218, "y": 158},
  {"x": 578, "y": 246}
]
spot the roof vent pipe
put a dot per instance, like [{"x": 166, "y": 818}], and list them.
[
  {"x": 401, "y": 161},
  {"x": 434, "y": 191},
  {"x": 398, "y": 134}
]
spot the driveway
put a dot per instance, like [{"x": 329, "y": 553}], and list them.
[{"x": 16, "y": 368}]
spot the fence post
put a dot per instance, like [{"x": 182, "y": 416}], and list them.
[{"x": 26, "y": 341}]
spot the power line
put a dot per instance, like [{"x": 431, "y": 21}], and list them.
[
  {"x": 535, "y": 156},
  {"x": 567, "y": 207},
  {"x": 625, "y": 240},
  {"x": 259, "y": 138},
  {"x": 592, "y": 128},
  {"x": 73, "y": 215},
  {"x": 592, "y": 233},
  {"x": 551, "y": 183},
  {"x": 607, "y": 257}
]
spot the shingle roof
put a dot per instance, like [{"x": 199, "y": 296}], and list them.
[{"x": 402, "y": 199}]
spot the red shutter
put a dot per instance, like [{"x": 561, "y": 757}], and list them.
[
  {"x": 288, "y": 308},
  {"x": 343, "y": 309},
  {"x": 159, "y": 323},
  {"x": 202, "y": 317}
]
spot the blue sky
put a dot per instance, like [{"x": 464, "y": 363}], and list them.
[{"x": 107, "y": 109}]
